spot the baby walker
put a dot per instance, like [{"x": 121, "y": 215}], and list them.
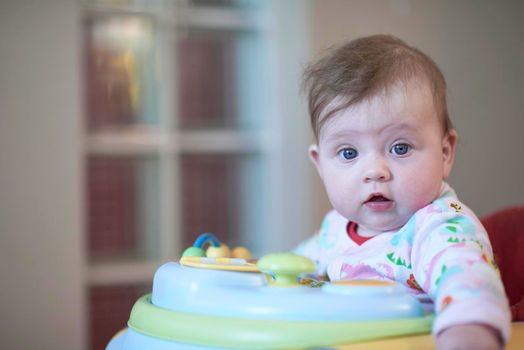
[{"x": 211, "y": 299}]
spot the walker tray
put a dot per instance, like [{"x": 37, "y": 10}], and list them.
[{"x": 228, "y": 303}]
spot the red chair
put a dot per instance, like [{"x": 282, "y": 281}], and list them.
[{"x": 506, "y": 232}]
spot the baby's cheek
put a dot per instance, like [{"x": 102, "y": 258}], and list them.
[
  {"x": 342, "y": 203},
  {"x": 419, "y": 191},
  {"x": 343, "y": 200}
]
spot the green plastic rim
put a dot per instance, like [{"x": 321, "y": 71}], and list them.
[{"x": 235, "y": 333}]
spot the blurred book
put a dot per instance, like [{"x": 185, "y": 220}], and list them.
[
  {"x": 210, "y": 188},
  {"x": 206, "y": 79},
  {"x": 121, "y": 70},
  {"x": 111, "y": 204},
  {"x": 109, "y": 308}
]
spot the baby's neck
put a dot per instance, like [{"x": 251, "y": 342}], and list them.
[{"x": 365, "y": 232}]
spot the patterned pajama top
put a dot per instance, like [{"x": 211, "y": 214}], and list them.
[{"x": 443, "y": 252}]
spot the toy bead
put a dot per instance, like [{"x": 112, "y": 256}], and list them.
[
  {"x": 206, "y": 238},
  {"x": 285, "y": 267},
  {"x": 218, "y": 252},
  {"x": 241, "y": 252},
  {"x": 194, "y": 251}
]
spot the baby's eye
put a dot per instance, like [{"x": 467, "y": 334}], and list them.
[
  {"x": 400, "y": 149},
  {"x": 348, "y": 153}
]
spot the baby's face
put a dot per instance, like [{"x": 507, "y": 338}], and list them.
[{"x": 383, "y": 159}]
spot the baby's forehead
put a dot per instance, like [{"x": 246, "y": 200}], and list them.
[
  {"x": 402, "y": 102},
  {"x": 401, "y": 95}
]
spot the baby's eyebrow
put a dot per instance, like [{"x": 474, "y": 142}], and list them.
[
  {"x": 391, "y": 128},
  {"x": 398, "y": 127},
  {"x": 343, "y": 135}
]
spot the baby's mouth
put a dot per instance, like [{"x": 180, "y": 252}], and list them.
[
  {"x": 378, "y": 202},
  {"x": 377, "y": 198}
]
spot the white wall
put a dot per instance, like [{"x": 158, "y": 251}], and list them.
[
  {"x": 479, "y": 45},
  {"x": 292, "y": 205},
  {"x": 40, "y": 226}
]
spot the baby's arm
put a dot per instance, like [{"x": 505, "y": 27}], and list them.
[
  {"x": 469, "y": 336},
  {"x": 453, "y": 262},
  {"x": 323, "y": 246}
]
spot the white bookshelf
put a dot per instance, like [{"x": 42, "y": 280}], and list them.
[
  {"x": 261, "y": 135},
  {"x": 47, "y": 145}
]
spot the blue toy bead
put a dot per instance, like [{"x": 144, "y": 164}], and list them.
[{"x": 205, "y": 238}]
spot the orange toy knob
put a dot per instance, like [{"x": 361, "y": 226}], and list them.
[
  {"x": 241, "y": 252},
  {"x": 218, "y": 252}
]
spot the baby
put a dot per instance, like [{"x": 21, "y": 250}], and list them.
[{"x": 385, "y": 147}]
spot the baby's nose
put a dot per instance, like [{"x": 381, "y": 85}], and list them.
[{"x": 377, "y": 170}]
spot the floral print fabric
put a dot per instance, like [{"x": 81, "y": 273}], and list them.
[{"x": 442, "y": 252}]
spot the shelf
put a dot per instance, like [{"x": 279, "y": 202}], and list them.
[
  {"x": 144, "y": 141},
  {"x": 121, "y": 272},
  {"x": 126, "y": 141},
  {"x": 219, "y": 141},
  {"x": 107, "y": 8},
  {"x": 218, "y": 19},
  {"x": 188, "y": 16}
]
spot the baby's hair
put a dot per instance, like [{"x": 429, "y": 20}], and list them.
[{"x": 363, "y": 68}]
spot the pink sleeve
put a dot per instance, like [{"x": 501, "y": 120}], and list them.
[
  {"x": 453, "y": 263},
  {"x": 326, "y": 243}
]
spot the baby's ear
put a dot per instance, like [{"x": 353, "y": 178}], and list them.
[
  {"x": 449, "y": 144},
  {"x": 314, "y": 156}
]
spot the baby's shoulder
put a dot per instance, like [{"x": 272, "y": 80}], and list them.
[
  {"x": 445, "y": 207},
  {"x": 449, "y": 217}
]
